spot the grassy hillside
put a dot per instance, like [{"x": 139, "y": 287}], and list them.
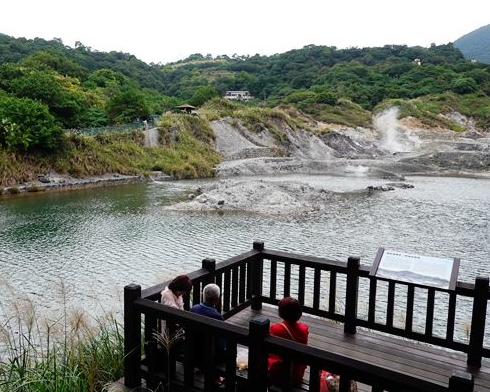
[{"x": 186, "y": 152}]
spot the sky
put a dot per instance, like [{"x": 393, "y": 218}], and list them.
[{"x": 162, "y": 31}]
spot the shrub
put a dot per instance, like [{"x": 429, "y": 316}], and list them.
[
  {"x": 464, "y": 85},
  {"x": 11, "y": 137},
  {"x": 27, "y": 124}
]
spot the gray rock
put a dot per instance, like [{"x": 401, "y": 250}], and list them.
[
  {"x": 402, "y": 185},
  {"x": 379, "y": 188},
  {"x": 43, "y": 179},
  {"x": 345, "y": 146}
]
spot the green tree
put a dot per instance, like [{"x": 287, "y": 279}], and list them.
[
  {"x": 302, "y": 97},
  {"x": 203, "y": 94},
  {"x": 27, "y": 125},
  {"x": 464, "y": 85},
  {"x": 57, "y": 62},
  {"x": 170, "y": 103},
  {"x": 93, "y": 117},
  {"x": 127, "y": 106},
  {"x": 327, "y": 96},
  {"x": 63, "y": 95},
  {"x": 108, "y": 78},
  {"x": 35, "y": 84}
]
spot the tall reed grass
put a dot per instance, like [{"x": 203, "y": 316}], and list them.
[{"x": 68, "y": 354}]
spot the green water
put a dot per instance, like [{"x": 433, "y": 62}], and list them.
[{"x": 94, "y": 242}]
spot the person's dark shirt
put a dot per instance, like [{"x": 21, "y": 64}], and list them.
[{"x": 208, "y": 310}]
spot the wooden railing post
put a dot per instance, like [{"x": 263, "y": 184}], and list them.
[
  {"x": 479, "y": 314},
  {"x": 257, "y": 266},
  {"x": 257, "y": 357},
  {"x": 351, "y": 294},
  {"x": 210, "y": 266},
  {"x": 132, "y": 337},
  {"x": 461, "y": 382}
]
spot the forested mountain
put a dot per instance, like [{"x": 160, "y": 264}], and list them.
[
  {"x": 324, "y": 74},
  {"x": 476, "y": 45},
  {"x": 81, "y": 60},
  {"x": 77, "y": 87}
]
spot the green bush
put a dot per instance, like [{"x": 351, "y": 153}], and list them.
[
  {"x": 26, "y": 124},
  {"x": 464, "y": 85},
  {"x": 203, "y": 94}
]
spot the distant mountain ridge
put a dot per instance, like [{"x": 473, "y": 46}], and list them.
[{"x": 476, "y": 45}]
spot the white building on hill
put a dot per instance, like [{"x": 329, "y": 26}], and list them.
[{"x": 238, "y": 95}]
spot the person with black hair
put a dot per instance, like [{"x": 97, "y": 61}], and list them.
[{"x": 290, "y": 310}]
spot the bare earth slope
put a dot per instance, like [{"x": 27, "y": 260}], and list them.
[
  {"x": 388, "y": 151},
  {"x": 400, "y": 147}
]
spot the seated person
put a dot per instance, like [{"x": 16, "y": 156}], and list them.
[
  {"x": 172, "y": 295},
  {"x": 210, "y": 298},
  {"x": 290, "y": 310}
]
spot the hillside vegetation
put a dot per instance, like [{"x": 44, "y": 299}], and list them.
[
  {"x": 47, "y": 88},
  {"x": 185, "y": 152}
]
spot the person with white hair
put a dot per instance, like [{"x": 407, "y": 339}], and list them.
[{"x": 210, "y": 298}]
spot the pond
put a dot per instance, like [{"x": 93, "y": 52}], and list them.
[{"x": 78, "y": 249}]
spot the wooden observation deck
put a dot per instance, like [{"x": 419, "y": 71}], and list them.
[{"x": 387, "y": 335}]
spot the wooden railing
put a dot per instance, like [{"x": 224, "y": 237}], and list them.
[
  {"x": 331, "y": 289},
  {"x": 359, "y": 289}
]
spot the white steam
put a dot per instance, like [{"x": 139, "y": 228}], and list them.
[
  {"x": 358, "y": 170},
  {"x": 393, "y": 137}
]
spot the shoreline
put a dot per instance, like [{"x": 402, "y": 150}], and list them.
[
  {"x": 59, "y": 183},
  {"x": 55, "y": 182}
]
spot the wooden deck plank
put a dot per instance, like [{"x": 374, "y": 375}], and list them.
[
  {"x": 403, "y": 355},
  {"x": 346, "y": 345}
]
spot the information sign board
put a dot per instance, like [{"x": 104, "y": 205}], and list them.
[{"x": 421, "y": 270}]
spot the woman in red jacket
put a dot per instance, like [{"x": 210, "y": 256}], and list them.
[{"x": 290, "y": 310}]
